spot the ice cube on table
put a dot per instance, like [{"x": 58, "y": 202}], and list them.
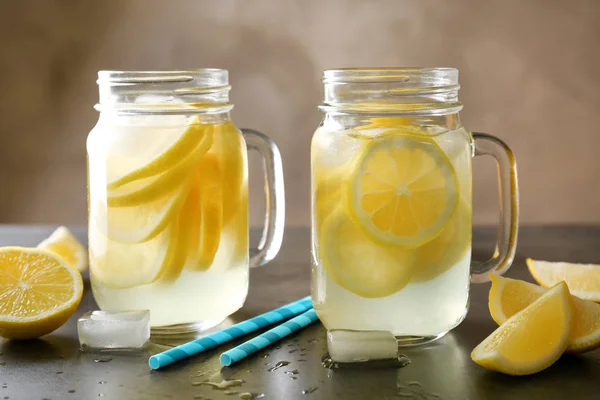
[
  {"x": 346, "y": 346},
  {"x": 114, "y": 330}
]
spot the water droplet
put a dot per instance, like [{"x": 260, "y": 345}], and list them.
[
  {"x": 265, "y": 355},
  {"x": 58, "y": 372},
  {"x": 294, "y": 372},
  {"x": 103, "y": 359},
  {"x": 278, "y": 347},
  {"x": 401, "y": 361},
  {"x": 72, "y": 391},
  {"x": 4, "y": 386},
  {"x": 310, "y": 390},
  {"x": 101, "y": 382},
  {"x": 251, "y": 396},
  {"x": 279, "y": 365},
  {"x": 293, "y": 377},
  {"x": 302, "y": 354},
  {"x": 6, "y": 397},
  {"x": 267, "y": 363},
  {"x": 301, "y": 360},
  {"x": 100, "y": 394},
  {"x": 304, "y": 349},
  {"x": 225, "y": 384},
  {"x": 230, "y": 392},
  {"x": 293, "y": 351}
]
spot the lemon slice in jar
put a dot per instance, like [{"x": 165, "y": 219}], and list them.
[
  {"x": 403, "y": 189},
  {"x": 359, "y": 264},
  {"x": 152, "y": 188},
  {"x": 178, "y": 147}
]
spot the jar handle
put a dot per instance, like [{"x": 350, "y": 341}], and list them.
[
  {"x": 272, "y": 234},
  {"x": 506, "y": 242}
]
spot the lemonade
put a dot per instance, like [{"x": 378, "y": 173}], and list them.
[
  {"x": 391, "y": 226},
  {"x": 168, "y": 217}
]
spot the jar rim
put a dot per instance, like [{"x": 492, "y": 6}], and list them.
[
  {"x": 400, "y": 90},
  {"x": 200, "y": 91}
]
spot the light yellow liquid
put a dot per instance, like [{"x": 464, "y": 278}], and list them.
[
  {"x": 432, "y": 294},
  {"x": 168, "y": 218}
]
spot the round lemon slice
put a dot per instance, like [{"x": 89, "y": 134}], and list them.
[
  {"x": 357, "y": 263},
  {"x": 403, "y": 190},
  {"x": 38, "y": 292}
]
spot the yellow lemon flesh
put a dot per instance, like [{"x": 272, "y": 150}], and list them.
[
  {"x": 66, "y": 245},
  {"x": 583, "y": 279},
  {"x": 403, "y": 190},
  {"x": 532, "y": 339},
  {"x": 360, "y": 265},
  {"x": 509, "y": 296},
  {"x": 38, "y": 292}
]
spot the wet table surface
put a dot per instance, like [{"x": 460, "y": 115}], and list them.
[{"x": 54, "y": 368}]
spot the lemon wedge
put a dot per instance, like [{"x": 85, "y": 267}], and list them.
[
  {"x": 583, "y": 279},
  {"x": 532, "y": 339},
  {"x": 509, "y": 296},
  {"x": 359, "y": 264},
  {"x": 66, "y": 245},
  {"x": 39, "y": 292},
  {"x": 403, "y": 189}
]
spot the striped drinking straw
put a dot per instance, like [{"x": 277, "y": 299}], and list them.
[
  {"x": 271, "y": 336},
  {"x": 213, "y": 340}
]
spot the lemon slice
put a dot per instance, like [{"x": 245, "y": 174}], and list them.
[
  {"x": 403, "y": 190},
  {"x": 509, "y": 296},
  {"x": 178, "y": 150},
  {"x": 210, "y": 193},
  {"x": 142, "y": 222},
  {"x": 357, "y": 263},
  {"x": 38, "y": 292},
  {"x": 583, "y": 279},
  {"x": 532, "y": 339},
  {"x": 448, "y": 248},
  {"x": 125, "y": 265},
  {"x": 66, "y": 245},
  {"x": 149, "y": 189}
]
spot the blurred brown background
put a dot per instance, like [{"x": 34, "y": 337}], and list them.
[{"x": 529, "y": 74}]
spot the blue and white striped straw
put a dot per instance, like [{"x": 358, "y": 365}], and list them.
[
  {"x": 213, "y": 340},
  {"x": 271, "y": 336}
]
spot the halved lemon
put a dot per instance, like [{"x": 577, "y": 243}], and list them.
[
  {"x": 509, "y": 296},
  {"x": 152, "y": 188},
  {"x": 583, "y": 279},
  {"x": 532, "y": 339},
  {"x": 66, "y": 245},
  {"x": 179, "y": 149},
  {"x": 403, "y": 189},
  {"x": 359, "y": 264},
  {"x": 39, "y": 291}
]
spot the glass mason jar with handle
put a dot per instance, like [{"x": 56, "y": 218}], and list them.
[
  {"x": 391, "y": 203},
  {"x": 168, "y": 198}
]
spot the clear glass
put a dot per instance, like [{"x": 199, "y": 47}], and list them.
[
  {"x": 168, "y": 199},
  {"x": 392, "y": 206}
]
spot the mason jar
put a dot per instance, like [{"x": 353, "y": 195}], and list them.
[
  {"x": 392, "y": 203},
  {"x": 168, "y": 198}
]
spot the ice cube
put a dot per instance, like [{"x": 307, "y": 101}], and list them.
[
  {"x": 346, "y": 346},
  {"x": 119, "y": 330}
]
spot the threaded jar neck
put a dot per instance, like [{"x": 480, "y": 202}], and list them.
[
  {"x": 404, "y": 91},
  {"x": 201, "y": 91}
]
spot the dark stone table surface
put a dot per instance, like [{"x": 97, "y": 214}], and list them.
[{"x": 54, "y": 368}]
